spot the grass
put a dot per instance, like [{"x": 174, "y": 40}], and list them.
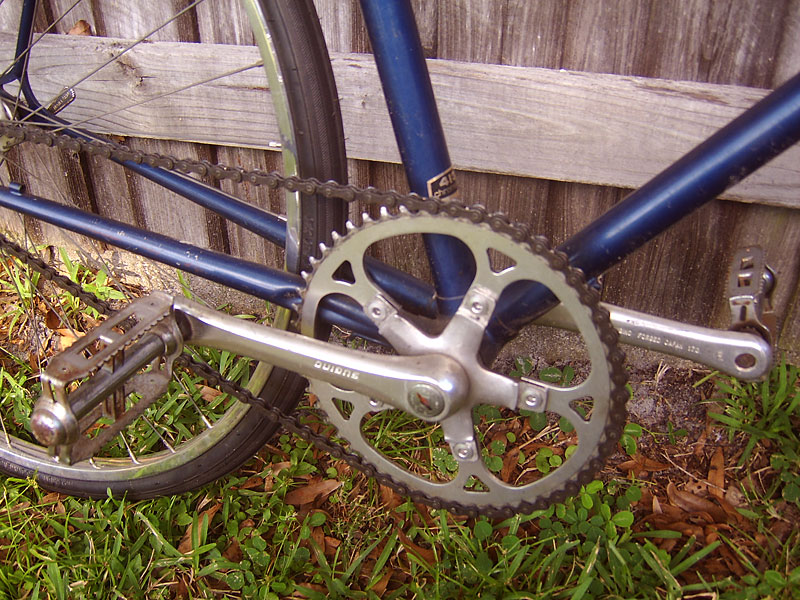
[
  {"x": 241, "y": 537},
  {"x": 297, "y": 523}
]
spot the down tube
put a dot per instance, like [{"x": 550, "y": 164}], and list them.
[
  {"x": 747, "y": 143},
  {"x": 420, "y": 138}
]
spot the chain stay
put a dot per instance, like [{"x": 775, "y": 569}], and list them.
[{"x": 498, "y": 222}]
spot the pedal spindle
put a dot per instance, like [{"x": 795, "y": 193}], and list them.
[{"x": 131, "y": 352}]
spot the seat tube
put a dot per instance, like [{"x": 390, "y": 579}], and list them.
[{"x": 420, "y": 137}]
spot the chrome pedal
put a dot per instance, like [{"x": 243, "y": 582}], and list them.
[
  {"x": 750, "y": 288},
  {"x": 130, "y": 353}
]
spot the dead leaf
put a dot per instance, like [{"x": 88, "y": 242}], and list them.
[
  {"x": 510, "y": 461},
  {"x": 278, "y": 467},
  {"x": 331, "y": 544},
  {"x": 700, "y": 444},
  {"x": 641, "y": 463},
  {"x": 694, "y": 504},
  {"x": 67, "y": 337},
  {"x": 312, "y": 491},
  {"x": 716, "y": 474},
  {"x": 731, "y": 560},
  {"x": 185, "y": 545},
  {"x": 208, "y": 394},
  {"x": 735, "y": 497},
  {"x": 81, "y": 28},
  {"x": 380, "y": 586},
  {"x": 233, "y": 552},
  {"x": 318, "y": 535},
  {"x": 253, "y": 482},
  {"x": 51, "y": 320},
  {"x": 425, "y": 554},
  {"x": 698, "y": 488},
  {"x": 390, "y": 498}
]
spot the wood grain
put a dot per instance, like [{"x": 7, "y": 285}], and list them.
[{"x": 560, "y": 125}]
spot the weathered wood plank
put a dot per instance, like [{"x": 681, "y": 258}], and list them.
[{"x": 559, "y": 125}]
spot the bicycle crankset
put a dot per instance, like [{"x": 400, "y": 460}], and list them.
[{"x": 469, "y": 469}]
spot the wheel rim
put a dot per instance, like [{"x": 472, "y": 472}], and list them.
[{"x": 115, "y": 469}]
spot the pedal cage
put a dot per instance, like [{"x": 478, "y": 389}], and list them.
[
  {"x": 132, "y": 352},
  {"x": 750, "y": 289}
]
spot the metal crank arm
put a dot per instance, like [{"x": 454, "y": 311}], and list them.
[
  {"x": 742, "y": 354},
  {"x": 431, "y": 386},
  {"x": 121, "y": 367}
]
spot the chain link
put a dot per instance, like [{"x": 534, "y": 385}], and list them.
[{"x": 498, "y": 222}]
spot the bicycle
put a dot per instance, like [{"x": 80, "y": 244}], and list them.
[{"x": 444, "y": 332}]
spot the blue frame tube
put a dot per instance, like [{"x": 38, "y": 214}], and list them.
[
  {"x": 279, "y": 287},
  {"x": 400, "y": 59},
  {"x": 261, "y": 222},
  {"x": 747, "y": 143}
]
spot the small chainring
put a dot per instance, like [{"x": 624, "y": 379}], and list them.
[{"x": 468, "y": 462}]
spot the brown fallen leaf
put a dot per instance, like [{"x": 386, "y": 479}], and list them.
[
  {"x": 51, "y": 320},
  {"x": 280, "y": 466},
  {"x": 716, "y": 474},
  {"x": 331, "y": 544},
  {"x": 698, "y": 488},
  {"x": 425, "y": 554},
  {"x": 694, "y": 504},
  {"x": 253, "y": 482},
  {"x": 81, "y": 28},
  {"x": 731, "y": 561},
  {"x": 233, "y": 552},
  {"x": 390, "y": 498},
  {"x": 312, "y": 491},
  {"x": 380, "y": 586},
  {"x": 185, "y": 545},
  {"x": 510, "y": 461},
  {"x": 641, "y": 463},
  {"x": 67, "y": 337},
  {"x": 208, "y": 394}
]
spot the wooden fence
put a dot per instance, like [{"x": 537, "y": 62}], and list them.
[{"x": 555, "y": 110}]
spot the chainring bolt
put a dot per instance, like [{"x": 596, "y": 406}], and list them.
[
  {"x": 463, "y": 450},
  {"x": 533, "y": 401}
]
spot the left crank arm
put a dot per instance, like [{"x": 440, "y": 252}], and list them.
[
  {"x": 131, "y": 355},
  {"x": 430, "y": 386}
]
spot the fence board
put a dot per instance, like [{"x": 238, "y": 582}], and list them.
[{"x": 558, "y": 125}]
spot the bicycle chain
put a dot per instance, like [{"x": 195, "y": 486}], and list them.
[{"x": 498, "y": 222}]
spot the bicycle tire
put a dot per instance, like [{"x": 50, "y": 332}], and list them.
[{"x": 312, "y": 101}]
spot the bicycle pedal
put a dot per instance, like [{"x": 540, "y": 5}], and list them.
[
  {"x": 130, "y": 353},
  {"x": 750, "y": 288}
]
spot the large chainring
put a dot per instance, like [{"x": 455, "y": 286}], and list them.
[
  {"x": 594, "y": 408},
  {"x": 581, "y": 467}
]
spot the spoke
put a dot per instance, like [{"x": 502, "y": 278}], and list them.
[
  {"x": 206, "y": 422},
  {"x": 124, "y": 51},
  {"x": 161, "y": 437},
  {"x": 41, "y": 35},
  {"x": 61, "y": 127},
  {"x": 5, "y": 431},
  {"x": 131, "y": 453}
]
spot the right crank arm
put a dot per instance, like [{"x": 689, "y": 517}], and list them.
[{"x": 742, "y": 354}]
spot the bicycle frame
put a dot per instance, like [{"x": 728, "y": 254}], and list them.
[{"x": 754, "y": 138}]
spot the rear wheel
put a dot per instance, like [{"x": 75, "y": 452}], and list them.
[{"x": 194, "y": 434}]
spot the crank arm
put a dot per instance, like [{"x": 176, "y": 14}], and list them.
[
  {"x": 431, "y": 386},
  {"x": 741, "y": 354}
]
